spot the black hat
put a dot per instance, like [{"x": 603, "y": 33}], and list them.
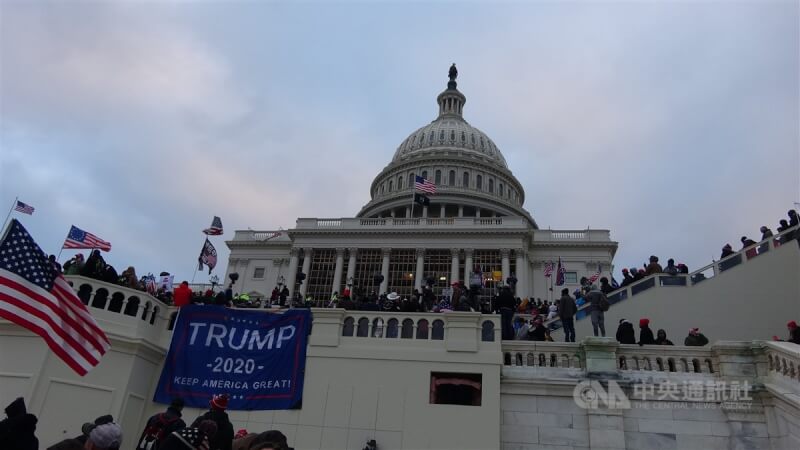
[
  {"x": 565, "y": 291},
  {"x": 16, "y": 408}
]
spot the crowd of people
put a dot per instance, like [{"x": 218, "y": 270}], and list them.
[
  {"x": 167, "y": 430},
  {"x": 749, "y": 245}
]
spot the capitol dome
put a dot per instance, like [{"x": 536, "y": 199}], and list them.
[{"x": 471, "y": 175}]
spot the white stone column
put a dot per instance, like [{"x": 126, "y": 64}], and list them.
[
  {"x": 441, "y": 211},
  {"x": 351, "y": 265},
  {"x": 467, "y": 265},
  {"x": 521, "y": 274},
  {"x": 506, "y": 263},
  {"x": 420, "y": 269},
  {"x": 308, "y": 253},
  {"x": 408, "y": 212},
  {"x": 454, "y": 267},
  {"x": 291, "y": 277},
  {"x": 337, "y": 272},
  {"x": 460, "y": 210},
  {"x": 385, "y": 270},
  {"x": 477, "y": 212},
  {"x": 424, "y": 211}
]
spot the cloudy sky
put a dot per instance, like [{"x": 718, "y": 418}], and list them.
[{"x": 673, "y": 124}]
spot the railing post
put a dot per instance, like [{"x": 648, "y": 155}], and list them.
[
  {"x": 600, "y": 354},
  {"x": 327, "y": 327}
]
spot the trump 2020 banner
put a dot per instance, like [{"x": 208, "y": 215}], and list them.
[{"x": 257, "y": 358}]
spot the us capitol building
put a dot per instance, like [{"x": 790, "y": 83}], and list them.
[{"x": 476, "y": 219}]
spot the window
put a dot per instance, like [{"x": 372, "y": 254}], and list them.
[
  {"x": 452, "y": 178},
  {"x": 465, "y": 180},
  {"x": 473, "y": 139},
  {"x": 258, "y": 273},
  {"x": 491, "y": 186},
  {"x": 438, "y": 179},
  {"x": 452, "y": 135},
  {"x": 320, "y": 280},
  {"x": 463, "y": 137},
  {"x": 479, "y": 182},
  {"x": 502, "y": 192},
  {"x": 571, "y": 277},
  {"x": 441, "y": 135},
  {"x": 391, "y": 184},
  {"x": 432, "y": 134},
  {"x": 425, "y": 174},
  {"x": 411, "y": 179},
  {"x": 449, "y": 388},
  {"x": 399, "y": 182}
]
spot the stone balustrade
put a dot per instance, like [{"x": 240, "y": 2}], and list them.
[
  {"x": 405, "y": 223},
  {"x": 783, "y": 361},
  {"x": 563, "y": 355},
  {"x": 665, "y": 358}
]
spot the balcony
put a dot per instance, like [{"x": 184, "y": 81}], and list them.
[{"x": 396, "y": 223}]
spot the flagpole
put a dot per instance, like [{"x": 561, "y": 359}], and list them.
[
  {"x": 10, "y": 210},
  {"x": 62, "y": 247},
  {"x": 413, "y": 192}
]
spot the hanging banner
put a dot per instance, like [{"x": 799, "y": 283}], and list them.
[{"x": 257, "y": 358}]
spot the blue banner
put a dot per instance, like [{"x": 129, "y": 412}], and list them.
[{"x": 255, "y": 357}]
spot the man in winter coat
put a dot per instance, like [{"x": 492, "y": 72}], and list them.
[
  {"x": 17, "y": 430},
  {"x": 566, "y": 310},
  {"x": 596, "y": 297},
  {"x": 223, "y": 438},
  {"x": 661, "y": 338},
  {"x": 625, "y": 333},
  {"x": 626, "y": 278},
  {"x": 695, "y": 338},
  {"x": 654, "y": 267},
  {"x": 182, "y": 295},
  {"x": 161, "y": 425},
  {"x": 748, "y": 244},
  {"x": 506, "y": 305},
  {"x": 605, "y": 288},
  {"x": 645, "y": 333},
  {"x": 538, "y": 332}
]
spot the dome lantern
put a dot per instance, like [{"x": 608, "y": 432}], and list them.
[{"x": 451, "y": 101}]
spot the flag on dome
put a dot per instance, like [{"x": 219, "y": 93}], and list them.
[
  {"x": 422, "y": 199},
  {"x": 548, "y": 269},
  {"x": 208, "y": 256},
  {"x": 36, "y": 297},
  {"x": 216, "y": 227},
  {"x": 596, "y": 275},
  {"x": 560, "y": 273},
  {"x": 421, "y": 184},
  {"x": 78, "y": 238},
  {"x": 24, "y": 208}
]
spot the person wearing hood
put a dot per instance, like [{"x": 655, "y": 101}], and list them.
[
  {"x": 645, "y": 333},
  {"x": 748, "y": 244},
  {"x": 625, "y": 333},
  {"x": 727, "y": 250},
  {"x": 654, "y": 267},
  {"x": 567, "y": 310},
  {"x": 605, "y": 288},
  {"x": 223, "y": 438},
  {"x": 671, "y": 269},
  {"x": 695, "y": 338},
  {"x": 18, "y": 428},
  {"x": 661, "y": 338},
  {"x": 95, "y": 266},
  {"x": 194, "y": 438},
  {"x": 161, "y": 425},
  {"x": 596, "y": 298}
]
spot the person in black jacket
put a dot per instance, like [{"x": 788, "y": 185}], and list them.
[
  {"x": 566, "y": 311},
  {"x": 223, "y": 439},
  {"x": 605, "y": 288},
  {"x": 17, "y": 430},
  {"x": 626, "y": 278},
  {"x": 505, "y": 304},
  {"x": 538, "y": 332},
  {"x": 661, "y": 338},
  {"x": 161, "y": 425},
  {"x": 625, "y": 333},
  {"x": 645, "y": 333}
]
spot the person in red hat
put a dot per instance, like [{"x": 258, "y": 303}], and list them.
[
  {"x": 626, "y": 278},
  {"x": 645, "y": 333},
  {"x": 794, "y": 333},
  {"x": 182, "y": 295},
  {"x": 223, "y": 439}
]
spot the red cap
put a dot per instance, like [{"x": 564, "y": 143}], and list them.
[
  {"x": 644, "y": 322},
  {"x": 792, "y": 324},
  {"x": 219, "y": 402},
  {"x": 624, "y": 270}
]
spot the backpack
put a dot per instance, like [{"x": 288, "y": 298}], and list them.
[
  {"x": 154, "y": 433},
  {"x": 603, "y": 303}
]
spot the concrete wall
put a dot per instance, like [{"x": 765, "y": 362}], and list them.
[{"x": 753, "y": 300}]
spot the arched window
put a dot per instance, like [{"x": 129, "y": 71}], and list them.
[
  {"x": 491, "y": 186},
  {"x": 441, "y": 135},
  {"x": 349, "y": 326},
  {"x": 391, "y": 184},
  {"x": 463, "y": 137},
  {"x": 399, "y": 182},
  {"x": 478, "y": 182},
  {"x": 425, "y": 174},
  {"x": 438, "y": 179},
  {"x": 452, "y": 135},
  {"x": 116, "y": 302},
  {"x": 500, "y": 186},
  {"x": 473, "y": 139},
  {"x": 465, "y": 179},
  {"x": 432, "y": 135},
  {"x": 452, "y": 180},
  {"x": 481, "y": 142},
  {"x": 411, "y": 179},
  {"x": 383, "y": 188}
]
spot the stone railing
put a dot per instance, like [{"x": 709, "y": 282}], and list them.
[
  {"x": 542, "y": 354},
  {"x": 260, "y": 236},
  {"x": 405, "y": 223},
  {"x": 123, "y": 310},
  {"x": 571, "y": 235},
  {"x": 419, "y": 326},
  {"x": 665, "y": 358},
  {"x": 783, "y": 361}
]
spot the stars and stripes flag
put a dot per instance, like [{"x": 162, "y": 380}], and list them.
[
  {"x": 560, "y": 273},
  {"x": 548, "y": 269},
  {"x": 78, "y": 238},
  {"x": 216, "y": 227},
  {"x": 36, "y": 297},
  {"x": 596, "y": 275},
  {"x": 421, "y": 184},
  {"x": 24, "y": 208}
]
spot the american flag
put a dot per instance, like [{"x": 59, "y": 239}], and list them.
[
  {"x": 421, "y": 184},
  {"x": 548, "y": 269},
  {"x": 216, "y": 227},
  {"x": 78, "y": 238},
  {"x": 596, "y": 275},
  {"x": 23, "y": 208},
  {"x": 35, "y": 297},
  {"x": 560, "y": 274}
]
